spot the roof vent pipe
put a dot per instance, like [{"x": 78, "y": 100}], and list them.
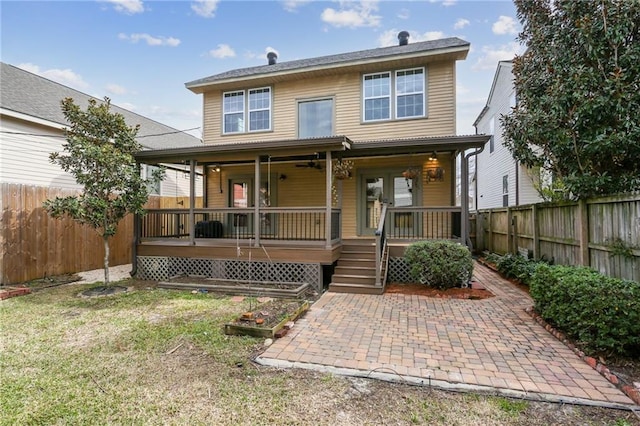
[
  {"x": 272, "y": 57},
  {"x": 403, "y": 38}
]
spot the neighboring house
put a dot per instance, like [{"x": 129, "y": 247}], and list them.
[
  {"x": 31, "y": 127},
  {"x": 500, "y": 180},
  {"x": 337, "y": 160}
]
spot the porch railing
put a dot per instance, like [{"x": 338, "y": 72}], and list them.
[
  {"x": 424, "y": 223},
  {"x": 381, "y": 245},
  {"x": 276, "y": 223}
]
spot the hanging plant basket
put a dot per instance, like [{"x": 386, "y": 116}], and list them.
[
  {"x": 342, "y": 169},
  {"x": 411, "y": 173}
]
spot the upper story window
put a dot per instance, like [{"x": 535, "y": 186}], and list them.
[
  {"x": 377, "y": 96},
  {"x": 258, "y": 109},
  {"x": 389, "y": 96},
  {"x": 315, "y": 118},
  {"x": 410, "y": 93}
]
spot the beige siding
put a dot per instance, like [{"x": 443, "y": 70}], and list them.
[
  {"x": 346, "y": 90},
  {"x": 305, "y": 187}
]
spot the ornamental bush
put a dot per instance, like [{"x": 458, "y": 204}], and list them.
[
  {"x": 440, "y": 264},
  {"x": 515, "y": 266},
  {"x": 601, "y": 313}
]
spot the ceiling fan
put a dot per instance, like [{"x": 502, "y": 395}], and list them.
[{"x": 310, "y": 165}]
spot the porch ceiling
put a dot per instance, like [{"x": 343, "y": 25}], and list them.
[
  {"x": 245, "y": 151},
  {"x": 295, "y": 149},
  {"x": 420, "y": 145}
]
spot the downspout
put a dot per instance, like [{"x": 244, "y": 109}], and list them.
[
  {"x": 517, "y": 183},
  {"x": 464, "y": 226}
]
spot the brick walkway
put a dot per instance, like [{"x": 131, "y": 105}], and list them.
[{"x": 490, "y": 344}]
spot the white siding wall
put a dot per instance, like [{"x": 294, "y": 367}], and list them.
[
  {"x": 176, "y": 184},
  {"x": 24, "y": 159},
  {"x": 492, "y": 166}
]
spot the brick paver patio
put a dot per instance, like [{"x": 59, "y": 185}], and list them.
[{"x": 490, "y": 344}]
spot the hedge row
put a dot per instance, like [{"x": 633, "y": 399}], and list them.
[{"x": 601, "y": 313}]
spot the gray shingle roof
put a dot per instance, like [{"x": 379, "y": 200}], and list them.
[
  {"x": 335, "y": 60},
  {"x": 30, "y": 94}
]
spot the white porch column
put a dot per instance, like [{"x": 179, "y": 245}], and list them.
[
  {"x": 256, "y": 202},
  {"x": 192, "y": 202},
  {"x": 464, "y": 199},
  {"x": 327, "y": 221}
]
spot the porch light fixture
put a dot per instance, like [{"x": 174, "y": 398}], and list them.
[
  {"x": 282, "y": 177},
  {"x": 433, "y": 156}
]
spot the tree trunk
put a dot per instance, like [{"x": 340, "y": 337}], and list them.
[{"x": 106, "y": 259}]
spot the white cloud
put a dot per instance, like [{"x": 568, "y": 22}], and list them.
[
  {"x": 293, "y": 5},
  {"x": 205, "y": 8},
  {"x": 253, "y": 55},
  {"x": 390, "y": 37},
  {"x": 505, "y": 25},
  {"x": 462, "y": 90},
  {"x": 491, "y": 55},
  {"x": 461, "y": 23},
  {"x": 447, "y": 3},
  {"x": 223, "y": 51},
  {"x": 129, "y": 7},
  {"x": 353, "y": 14},
  {"x": 66, "y": 76},
  {"x": 151, "y": 41},
  {"x": 404, "y": 14},
  {"x": 116, "y": 89}
]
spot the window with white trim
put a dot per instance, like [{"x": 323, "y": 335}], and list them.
[
  {"x": 410, "y": 93},
  {"x": 377, "y": 96},
  {"x": 492, "y": 129},
  {"x": 233, "y": 112},
  {"x": 257, "y": 109},
  {"x": 398, "y": 95},
  {"x": 505, "y": 191}
]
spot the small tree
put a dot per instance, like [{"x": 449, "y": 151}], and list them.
[
  {"x": 578, "y": 109},
  {"x": 99, "y": 152}
]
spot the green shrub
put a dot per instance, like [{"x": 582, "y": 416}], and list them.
[
  {"x": 601, "y": 313},
  {"x": 440, "y": 264}
]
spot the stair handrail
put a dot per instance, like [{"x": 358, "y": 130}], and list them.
[{"x": 381, "y": 243}]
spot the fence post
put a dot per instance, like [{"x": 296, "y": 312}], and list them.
[
  {"x": 536, "y": 232},
  {"x": 490, "y": 236},
  {"x": 514, "y": 235},
  {"x": 583, "y": 230},
  {"x": 479, "y": 232},
  {"x": 509, "y": 230}
]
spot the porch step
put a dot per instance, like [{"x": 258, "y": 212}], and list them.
[
  {"x": 368, "y": 271},
  {"x": 353, "y": 279},
  {"x": 355, "y": 271},
  {"x": 355, "y": 288},
  {"x": 358, "y": 263}
]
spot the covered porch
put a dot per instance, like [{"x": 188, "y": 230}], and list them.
[{"x": 279, "y": 205}]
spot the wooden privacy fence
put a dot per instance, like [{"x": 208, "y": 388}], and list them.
[
  {"x": 602, "y": 233},
  {"x": 34, "y": 245}
]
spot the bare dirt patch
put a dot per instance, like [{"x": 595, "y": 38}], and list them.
[{"x": 452, "y": 293}]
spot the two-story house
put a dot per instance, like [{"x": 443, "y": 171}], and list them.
[
  {"x": 501, "y": 181},
  {"x": 319, "y": 170}
]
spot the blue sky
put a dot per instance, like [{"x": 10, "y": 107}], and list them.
[{"x": 140, "y": 53}]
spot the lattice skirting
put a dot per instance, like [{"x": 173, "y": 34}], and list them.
[
  {"x": 160, "y": 268},
  {"x": 398, "y": 271}
]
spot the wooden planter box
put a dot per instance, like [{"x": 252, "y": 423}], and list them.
[{"x": 257, "y": 331}]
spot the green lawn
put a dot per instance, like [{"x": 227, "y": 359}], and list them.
[{"x": 152, "y": 356}]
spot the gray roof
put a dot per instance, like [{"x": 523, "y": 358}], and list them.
[
  {"x": 35, "y": 96},
  {"x": 337, "y": 60}
]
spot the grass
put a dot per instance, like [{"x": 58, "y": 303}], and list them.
[{"x": 153, "y": 356}]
